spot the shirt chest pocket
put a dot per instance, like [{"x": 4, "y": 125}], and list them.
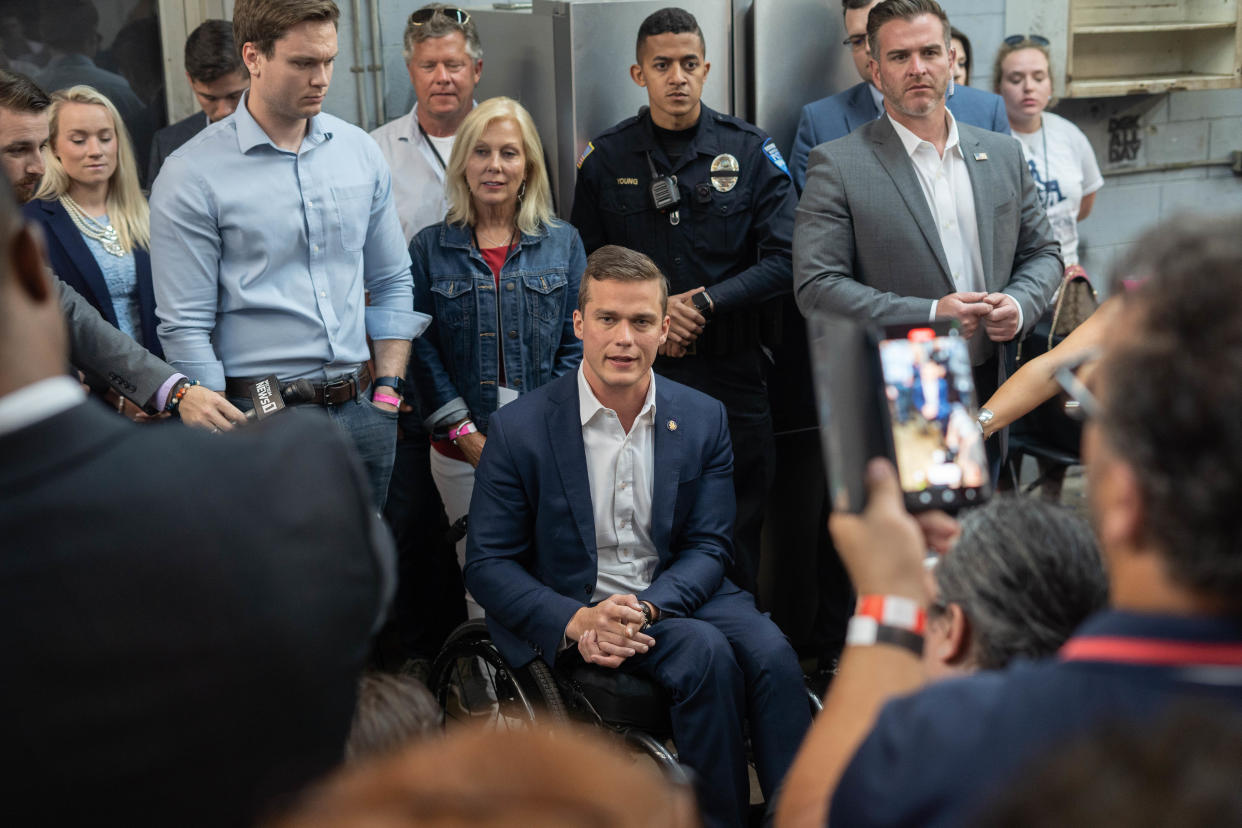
[
  {"x": 454, "y": 301},
  {"x": 545, "y": 295},
  {"x": 627, "y": 214},
  {"x": 353, "y": 213},
  {"x": 722, "y": 224}
]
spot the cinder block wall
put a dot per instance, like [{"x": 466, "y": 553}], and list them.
[{"x": 1127, "y": 133}]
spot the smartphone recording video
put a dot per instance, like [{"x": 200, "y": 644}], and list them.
[
  {"x": 904, "y": 391},
  {"x": 929, "y": 394}
]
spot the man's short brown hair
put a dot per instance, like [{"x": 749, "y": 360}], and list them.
[
  {"x": 263, "y": 22},
  {"x": 890, "y": 10},
  {"x": 619, "y": 264},
  {"x": 20, "y": 94}
]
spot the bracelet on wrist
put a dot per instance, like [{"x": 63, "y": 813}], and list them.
[
  {"x": 893, "y": 611},
  {"x": 386, "y": 398},
  {"x": 467, "y": 427},
  {"x": 864, "y": 631},
  {"x": 178, "y": 394}
]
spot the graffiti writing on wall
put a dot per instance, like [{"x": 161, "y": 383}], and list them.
[{"x": 1123, "y": 139}]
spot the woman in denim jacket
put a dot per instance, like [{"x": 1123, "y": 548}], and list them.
[{"x": 499, "y": 278}]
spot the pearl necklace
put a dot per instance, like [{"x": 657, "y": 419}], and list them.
[{"x": 105, "y": 234}]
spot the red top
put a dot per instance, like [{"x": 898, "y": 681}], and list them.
[{"x": 495, "y": 258}]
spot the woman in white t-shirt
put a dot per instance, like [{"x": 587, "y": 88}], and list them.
[{"x": 1060, "y": 157}]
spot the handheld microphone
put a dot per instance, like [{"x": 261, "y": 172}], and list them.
[{"x": 271, "y": 397}]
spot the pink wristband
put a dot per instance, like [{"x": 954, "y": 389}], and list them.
[
  {"x": 385, "y": 398},
  {"x": 468, "y": 427}
]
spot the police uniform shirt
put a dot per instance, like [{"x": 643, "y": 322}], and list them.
[{"x": 733, "y": 229}]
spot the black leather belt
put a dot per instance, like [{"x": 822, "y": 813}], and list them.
[{"x": 333, "y": 392}]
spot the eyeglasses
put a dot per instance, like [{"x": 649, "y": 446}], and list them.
[
  {"x": 1038, "y": 40},
  {"x": 1080, "y": 404},
  {"x": 422, "y": 16},
  {"x": 855, "y": 41}
]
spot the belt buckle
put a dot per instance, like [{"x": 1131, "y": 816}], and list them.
[{"x": 342, "y": 384}]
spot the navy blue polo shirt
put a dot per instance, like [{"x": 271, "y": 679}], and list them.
[{"x": 936, "y": 757}]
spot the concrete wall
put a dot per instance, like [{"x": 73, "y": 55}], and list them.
[{"x": 1141, "y": 131}]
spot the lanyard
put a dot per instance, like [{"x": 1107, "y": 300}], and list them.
[
  {"x": 436, "y": 152},
  {"x": 1155, "y": 652}
]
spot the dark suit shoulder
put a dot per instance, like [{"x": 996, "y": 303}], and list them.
[
  {"x": 530, "y": 408},
  {"x": 686, "y": 398},
  {"x": 994, "y": 142},
  {"x": 39, "y": 209}
]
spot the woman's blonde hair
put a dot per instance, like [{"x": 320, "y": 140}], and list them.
[
  {"x": 535, "y": 206},
  {"x": 128, "y": 211}
]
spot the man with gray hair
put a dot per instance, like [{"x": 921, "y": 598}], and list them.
[{"x": 445, "y": 61}]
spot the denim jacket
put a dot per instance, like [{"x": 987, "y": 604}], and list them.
[{"x": 455, "y": 366}]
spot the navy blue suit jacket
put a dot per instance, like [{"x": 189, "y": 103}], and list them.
[
  {"x": 838, "y": 115},
  {"x": 72, "y": 261},
  {"x": 531, "y": 556}
]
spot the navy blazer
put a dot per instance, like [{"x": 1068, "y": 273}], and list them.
[
  {"x": 838, "y": 115},
  {"x": 530, "y": 554},
  {"x": 72, "y": 261}
]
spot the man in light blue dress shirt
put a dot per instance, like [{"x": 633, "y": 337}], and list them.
[{"x": 269, "y": 229}]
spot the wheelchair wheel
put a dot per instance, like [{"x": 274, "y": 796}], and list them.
[{"x": 472, "y": 682}]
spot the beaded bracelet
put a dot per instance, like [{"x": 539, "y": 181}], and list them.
[{"x": 174, "y": 399}]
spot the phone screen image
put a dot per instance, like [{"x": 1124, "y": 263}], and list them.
[{"x": 929, "y": 390}]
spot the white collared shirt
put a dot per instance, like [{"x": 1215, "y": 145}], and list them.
[
  {"x": 417, "y": 177},
  {"x": 621, "y": 474},
  {"x": 37, "y": 402},
  {"x": 945, "y": 181},
  {"x": 946, "y": 187}
]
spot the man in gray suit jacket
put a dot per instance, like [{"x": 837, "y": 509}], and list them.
[{"x": 915, "y": 214}]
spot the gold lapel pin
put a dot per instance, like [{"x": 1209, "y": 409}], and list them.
[{"x": 672, "y": 425}]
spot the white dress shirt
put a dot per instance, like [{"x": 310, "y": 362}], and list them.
[
  {"x": 621, "y": 474},
  {"x": 945, "y": 182},
  {"x": 38, "y": 401},
  {"x": 417, "y": 177}
]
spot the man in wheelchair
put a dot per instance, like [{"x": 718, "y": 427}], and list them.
[{"x": 600, "y": 528}]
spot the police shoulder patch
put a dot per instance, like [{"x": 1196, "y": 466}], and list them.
[
  {"x": 774, "y": 155},
  {"x": 590, "y": 148}
]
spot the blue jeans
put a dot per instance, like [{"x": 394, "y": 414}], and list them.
[{"x": 372, "y": 430}]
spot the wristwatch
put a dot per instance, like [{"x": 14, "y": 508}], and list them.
[
  {"x": 648, "y": 620},
  {"x": 395, "y": 383},
  {"x": 702, "y": 303}
]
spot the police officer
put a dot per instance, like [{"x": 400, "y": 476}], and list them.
[{"x": 709, "y": 198}]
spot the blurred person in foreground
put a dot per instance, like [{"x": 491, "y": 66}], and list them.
[
  {"x": 162, "y": 589},
  {"x": 1164, "y": 467},
  {"x": 552, "y": 778}
]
